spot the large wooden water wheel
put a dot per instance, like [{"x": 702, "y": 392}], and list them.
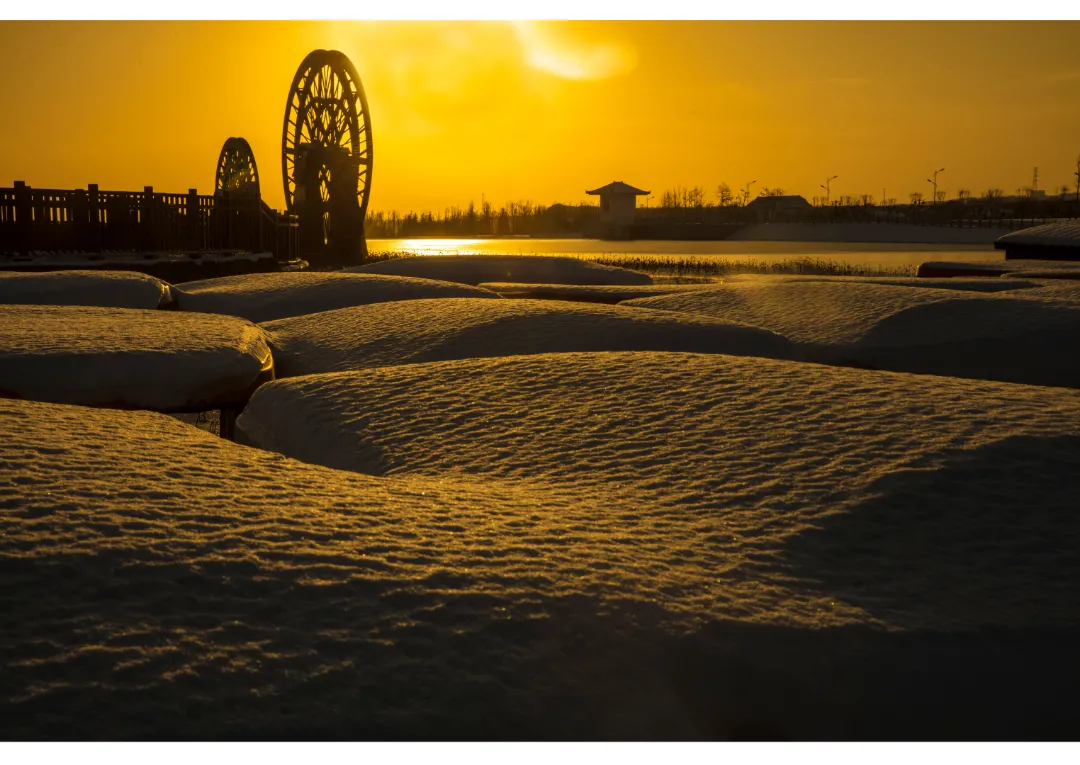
[{"x": 326, "y": 157}]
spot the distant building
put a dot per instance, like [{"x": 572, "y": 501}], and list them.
[
  {"x": 777, "y": 208},
  {"x": 618, "y": 201}
]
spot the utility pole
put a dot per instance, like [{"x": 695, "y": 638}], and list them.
[
  {"x": 942, "y": 170},
  {"x": 826, "y": 187}
]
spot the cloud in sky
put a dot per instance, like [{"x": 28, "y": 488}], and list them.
[{"x": 572, "y": 59}]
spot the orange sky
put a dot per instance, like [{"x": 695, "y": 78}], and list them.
[{"x": 544, "y": 110}]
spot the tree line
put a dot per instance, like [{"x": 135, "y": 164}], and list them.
[{"x": 527, "y": 218}]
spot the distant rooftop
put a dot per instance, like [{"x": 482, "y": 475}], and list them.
[
  {"x": 786, "y": 199},
  {"x": 618, "y": 187}
]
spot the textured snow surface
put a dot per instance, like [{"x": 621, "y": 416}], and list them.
[
  {"x": 599, "y": 546},
  {"x": 599, "y": 293},
  {"x": 436, "y": 330},
  {"x": 529, "y": 269},
  {"x": 128, "y": 358},
  {"x": 117, "y": 289},
  {"x": 727, "y": 478},
  {"x": 1013, "y": 336},
  {"x": 269, "y": 296}
]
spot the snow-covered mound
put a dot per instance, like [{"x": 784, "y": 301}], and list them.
[
  {"x": 956, "y": 283},
  {"x": 528, "y": 269},
  {"x": 116, "y": 289},
  {"x": 597, "y": 293},
  {"x": 414, "y": 331},
  {"x": 269, "y": 296},
  {"x": 1064, "y": 234},
  {"x": 807, "y": 310},
  {"x": 1013, "y": 336},
  {"x": 1021, "y": 268},
  {"x": 744, "y": 461},
  {"x": 129, "y": 358},
  {"x": 698, "y": 547}
]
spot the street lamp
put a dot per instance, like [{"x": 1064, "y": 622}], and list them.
[
  {"x": 934, "y": 181},
  {"x": 746, "y": 193},
  {"x": 828, "y": 181}
]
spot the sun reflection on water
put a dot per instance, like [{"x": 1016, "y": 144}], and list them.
[{"x": 441, "y": 246}]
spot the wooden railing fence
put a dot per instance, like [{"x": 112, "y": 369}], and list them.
[{"x": 93, "y": 220}]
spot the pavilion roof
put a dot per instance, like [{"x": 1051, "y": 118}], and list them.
[{"x": 618, "y": 187}]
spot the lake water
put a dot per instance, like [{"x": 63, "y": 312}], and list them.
[{"x": 853, "y": 253}]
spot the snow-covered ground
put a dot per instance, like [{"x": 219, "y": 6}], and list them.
[
  {"x": 117, "y": 289},
  {"x": 1013, "y": 336},
  {"x": 627, "y": 545},
  {"x": 483, "y": 532},
  {"x": 598, "y": 293},
  {"x": 269, "y": 296},
  {"x": 414, "y": 331},
  {"x": 129, "y": 358},
  {"x": 525, "y": 269}
]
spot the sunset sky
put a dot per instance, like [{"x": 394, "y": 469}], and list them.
[{"x": 544, "y": 110}]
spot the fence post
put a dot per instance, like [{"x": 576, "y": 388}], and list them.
[
  {"x": 93, "y": 214},
  {"x": 146, "y": 219},
  {"x": 79, "y": 222},
  {"x": 24, "y": 224},
  {"x": 192, "y": 218}
]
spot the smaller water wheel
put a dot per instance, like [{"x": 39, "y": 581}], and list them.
[{"x": 236, "y": 169}]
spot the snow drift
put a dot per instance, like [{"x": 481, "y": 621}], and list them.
[
  {"x": 129, "y": 358},
  {"x": 116, "y": 289},
  {"x": 529, "y": 269},
  {"x": 710, "y": 469},
  {"x": 597, "y": 293},
  {"x": 605, "y": 546},
  {"x": 268, "y": 296},
  {"x": 415, "y": 331},
  {"x": 1011, "y": 336}
]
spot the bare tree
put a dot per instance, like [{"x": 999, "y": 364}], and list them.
[
  {"x": 767, "y": 192},
  {"x": 916, "y": 197},
  {"x": 866, "y": 200},
  {"x": 724, "y": 194},
  {"x": 963, "y": 195},
  {"x": 991, "y": 195},
  {"x": 940, "y": 196}
]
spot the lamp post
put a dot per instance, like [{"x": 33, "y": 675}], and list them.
[
  {"x": 1077, "y": 174},
  {"x": 746, "y": 193},
  {"x": 934, "y": 181},
  {"x": 828, "y": 181}
]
